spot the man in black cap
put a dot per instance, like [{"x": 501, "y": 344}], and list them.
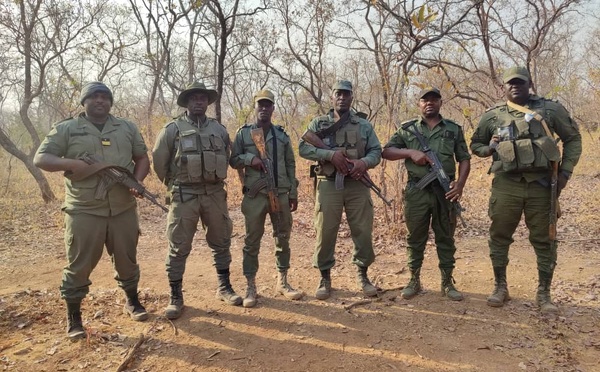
[
  {"x": 92, "y": 222},
  {"x": 191, "y": 157},
  {"x": 430, "y": 205}
]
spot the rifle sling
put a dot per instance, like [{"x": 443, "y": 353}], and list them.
[
  {"x": 335, "y": 127},
  {"x": 537, "y": 116},
  {"x": 275, "y": 173}
]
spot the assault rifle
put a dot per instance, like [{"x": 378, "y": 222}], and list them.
[
  {"x": 554, "y": 206},
  {"x": 111, "y": 175},
  {"x": 312, "y": 138},
  {"x": 436, "y": 172},
  {"x": 258, "y": 138}
]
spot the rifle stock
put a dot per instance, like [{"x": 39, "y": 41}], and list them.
[
  {"x": 312, "y": 138},
  {"x": 553, "y": 201}
]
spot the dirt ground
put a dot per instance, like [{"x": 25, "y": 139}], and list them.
[{"x": 428, "y": 333}]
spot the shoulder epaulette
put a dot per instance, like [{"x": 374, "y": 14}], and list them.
[
  {"x": 452, "y": 122},
  {"x": 499, "y": 104}
]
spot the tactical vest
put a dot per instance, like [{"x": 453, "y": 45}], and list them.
[
  {"x": 201, "y": 155},
  {"x": 524, "y": 144},
  {"x": 347, "y": 139}
]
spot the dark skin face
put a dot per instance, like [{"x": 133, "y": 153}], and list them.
[
  {"x": 97, "y": 106},
  {"x": 342, "y": 101},
  {"x": 196, "y": 106},
  {"x": 430, "y": 105},
  {"x": 517, "y": 91},
  {"x": 264, "y": 111}
]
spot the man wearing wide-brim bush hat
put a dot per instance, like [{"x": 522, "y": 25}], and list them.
[
  {"x": 196, "y": 87},
  {"x": 190, "y": 157}
]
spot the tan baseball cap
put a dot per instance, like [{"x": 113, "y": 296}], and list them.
[
  {"x": 264, "y": 94},
  {"x": 516, "y": 72}
]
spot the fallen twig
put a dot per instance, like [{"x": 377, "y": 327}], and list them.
[
  {"x": 420, "y": 356},
  {"x": 131, "y": 354},
  {"x": 390, "y": 289},
  {"x": 213, "y": 354},
  {"x": 361, "y": 302},
  {"x": 172, "y": 325}
]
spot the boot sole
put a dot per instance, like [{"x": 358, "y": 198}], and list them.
[
  {"x": 295, "y": 296},
  {"x": 249, "y": 303},
  {"x": 73, "y": 336},
  {"x": 136, "y": 317}
]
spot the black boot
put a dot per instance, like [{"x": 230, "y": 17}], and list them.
[
  {"x": 133, "y": 307},
  {"x": 225, "y": 292},
  {"x": 542, "y": 297},
  {"x": 173, "y": 311},
  {"x": 324, "y": 290},
  {"x": 364, "y": 283},
  {"x": 448, "y": 288},
  {"x": 414, "y": 285},
  {"x": 500, "y": 294},
  {"x": 75, "y": 328}
]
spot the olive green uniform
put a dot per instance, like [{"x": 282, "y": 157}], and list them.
[
  {"x": 521, "y": 167},
  {"x": 359, "y": 141},
  {"x": 90, "y": 223},
  {"x": 255, "y": 204},
  {"x": 421, "y": 207},
  {"x": 192, "y": 161}
]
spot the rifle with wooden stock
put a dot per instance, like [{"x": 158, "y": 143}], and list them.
[
  {"x": 258, "y": 138},
  {"x": 312, "y": 138}
]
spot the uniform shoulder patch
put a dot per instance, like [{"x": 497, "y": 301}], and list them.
[
  {"x": 400, "y": 125},
  {"x": 497, "y": 105}
]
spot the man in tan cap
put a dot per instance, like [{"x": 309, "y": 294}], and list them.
[
  {"x": 281, "y": 168},
  {"x": 430, "y": 204},
  {"x": 519, "y": 136},
  {"x": 190, "y": 157}
]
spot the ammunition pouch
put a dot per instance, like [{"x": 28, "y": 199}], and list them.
[
  {"x": 255, "y": 188},
  {"x": 526, "y": 155}
]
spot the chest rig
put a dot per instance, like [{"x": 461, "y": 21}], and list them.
[
  {"x": 347, "y": 139},
  {"x": 524, "y": 144},
  {"x": 201, "y": 155}
]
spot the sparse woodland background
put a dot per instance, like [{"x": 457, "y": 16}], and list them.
[{"x": 147, "y": 51}]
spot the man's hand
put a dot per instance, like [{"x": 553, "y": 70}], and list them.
[
  {"x": 135, "y": 193},
  {"x": 563, "y": 178},
  {"x": 340, "y": 162},
  {"x": 293, "y": 204},
  {"x": 494, "y": 143},
  {"x": 258, "y": 164},
  {"x": 359, "y": 167},
  {"x": 456, "y": 191},
  {"x": 419, "y": 158}
]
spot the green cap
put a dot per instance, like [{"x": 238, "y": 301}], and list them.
[
  {"x": 342, "y": 85},
  {"x": 196, "y": 87},
  {"x": 516, "y": 72},
  {"x": 92, "y": 87},
  {"x": 427, "y": 90},
  {"x": 264, "y": 94}
]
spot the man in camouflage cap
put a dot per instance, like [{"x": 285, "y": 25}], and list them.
[
  {"x": 92, "y": 222},
  {"x": 352, "y": 148},
  {"x": 431, "y": 205},
  {"x": 255, "y": 205},
  {"x": 518, "y": 135},
  {"x": 190, "y": 157}
]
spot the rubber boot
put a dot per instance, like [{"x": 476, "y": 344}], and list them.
[
  {"x": 225, "y": 292},
  {"x": 133, "y": 307},
  {"x": 284, "y": 288},
  {"x": 173, "y": 311},
  {"x": 75, "y": 328},
  {"x": 250, "y": 299},
  {"x": 324, "y": 290},
  {"x": 500, "y": 294},
  {"x": 364, "y": 283},
  {"x": 414, "y": 285},
  {"x": 448, "y": 288},
  {"x": 542, "y": 297}
]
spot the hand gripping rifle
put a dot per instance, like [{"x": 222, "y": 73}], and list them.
[
  {"x": 312, "y": 138},
  {"x": 258, "y": 138},
  {"x": 111, "y": 175},
  {"x": 436, "y": 172}
]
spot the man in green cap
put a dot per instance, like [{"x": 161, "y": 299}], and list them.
[
  {"x": 190, "y": 157},
  {"x": 430, "y": 204},
  {"x": 91, "y": 221},
  {"x": 256, "y": 202},
  {"x": 352, "y": 147},
  {"x": 518, "y": 135}
]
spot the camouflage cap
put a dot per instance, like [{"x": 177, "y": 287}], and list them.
[
  {"x": 94, "y": 87},
  {"x": 342, "y": 85},
  {"x": 196, "y": 87},
  {"x": 429, "y": 90},
  {"x": 264, "y": 94},
  {"x": 516, "y": 72}
]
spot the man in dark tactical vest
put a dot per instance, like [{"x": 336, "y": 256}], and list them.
[
  {"x": 352, "y": 148},
  {"x": 518, "y": 135},
  {"x": 191, "y": 157}
]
